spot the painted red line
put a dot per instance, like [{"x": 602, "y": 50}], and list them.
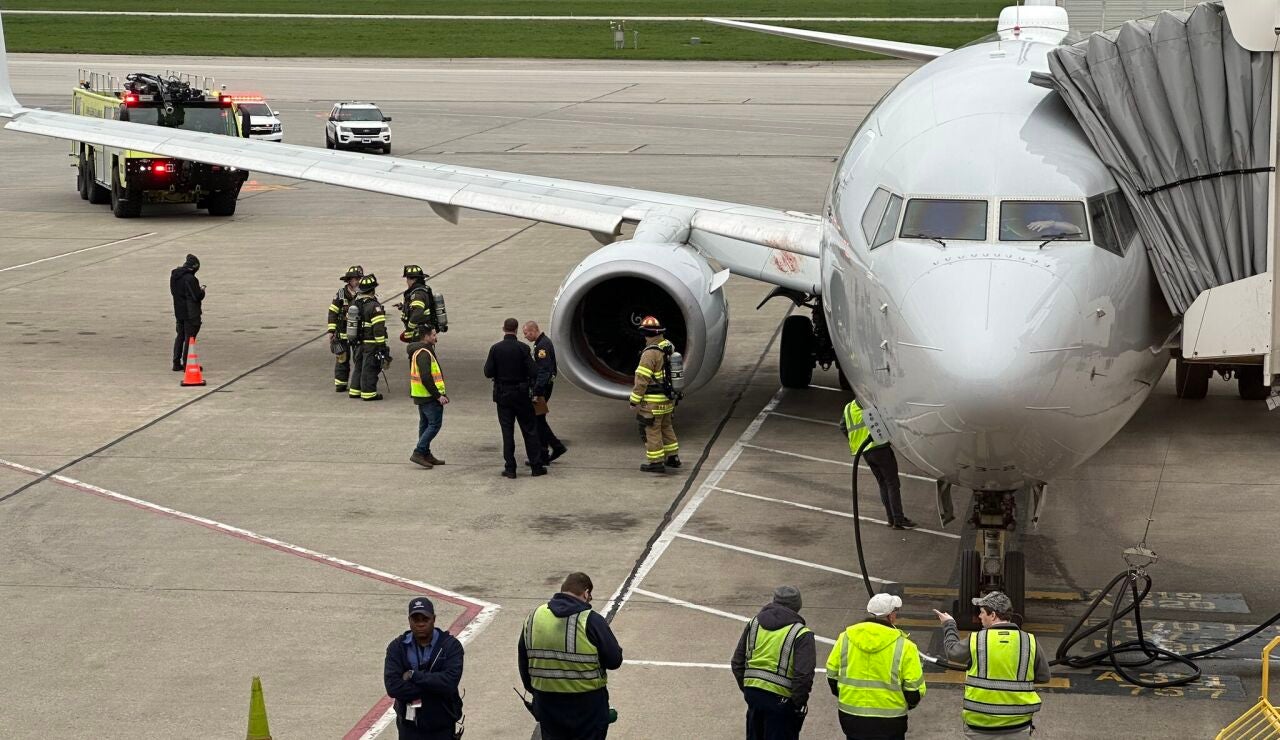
[{"x": 370, "y": 717}]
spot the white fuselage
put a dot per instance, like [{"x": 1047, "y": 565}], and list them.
[{"x": 995, "y": 362}]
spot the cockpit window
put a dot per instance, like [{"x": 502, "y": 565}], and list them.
[
  {"x": 933, "y": 218},
  {"x": 875, "y": 211},
  {"x": 1035, "y": 221},
  {"x": 1113, "y": 223},
  {"x": 889, "y": 222}
]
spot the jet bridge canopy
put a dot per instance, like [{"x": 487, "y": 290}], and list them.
[{"x": 1183, "y": 116}]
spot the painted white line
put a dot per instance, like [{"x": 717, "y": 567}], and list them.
[
  {"x": 845, "y": 514},
  {"x": 781, "y": 558},
  {"x": 379, "y": 727},
  {"x": 806, "y": 418},
  {"x": 827, "y": 388},
  {"x": 711, "y": 610},
  {"x": 832, "y": 462},
  {"x": 686, "y": 664},
  {"x": 395, "y": 17},
  {"x": 78, "y": 251},
  {"x": 713, "y": 479}
]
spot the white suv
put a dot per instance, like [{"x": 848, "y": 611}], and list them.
[
  {"x": 357, "y": 125},
  {"x": 264, "y": 123}
]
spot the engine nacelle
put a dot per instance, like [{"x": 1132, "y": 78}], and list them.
[{"x": 597, "y": 312}]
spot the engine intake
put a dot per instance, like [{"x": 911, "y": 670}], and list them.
[{"x": 597, "y": 313}]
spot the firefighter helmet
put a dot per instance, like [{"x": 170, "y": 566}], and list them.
[
  {"x": 354, "y": 271},
  {"x": 368, "y": 283},
  {"x": 651, "y": 325},
  {"x": 414, "y": 271}
]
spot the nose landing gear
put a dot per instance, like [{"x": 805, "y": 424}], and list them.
[{"x": 991, "y": 566}]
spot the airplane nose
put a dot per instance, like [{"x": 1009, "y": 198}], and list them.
[{"x": 991, "y": 339}]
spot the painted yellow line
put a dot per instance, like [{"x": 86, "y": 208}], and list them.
[{"x": 1039, "y": 595}]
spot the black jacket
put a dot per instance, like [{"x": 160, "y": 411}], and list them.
[
  {"x": 436, "y": 683},
  {"x": 187, "y": 294},
  {"x": 424, "y": 371},
  {"x": 575, "y": 713},
  {"x": 510, "y": 366},
  {"x": 773, "y": 617},
  {"x": 544, "y": 359},
  {"x": 417, "y": 307}
]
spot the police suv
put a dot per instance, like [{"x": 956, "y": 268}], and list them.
[
  {"x": 264, "y": 123},
  {"x": 357, "y": 125}
]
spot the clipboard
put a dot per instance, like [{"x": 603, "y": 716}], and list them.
[{"x": 540, "y": 408}]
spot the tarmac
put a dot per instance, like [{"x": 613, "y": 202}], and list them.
[{"x": 163, "y": 545}]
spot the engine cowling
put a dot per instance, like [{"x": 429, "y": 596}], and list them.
[{"x": 597, "y": 312}]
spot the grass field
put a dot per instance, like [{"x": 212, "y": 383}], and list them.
[
  {"x": 825, "y": 8},
  {"x": 447, "y": 39}
]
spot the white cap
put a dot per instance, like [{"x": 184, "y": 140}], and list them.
[{"x": 883, "y": 604}]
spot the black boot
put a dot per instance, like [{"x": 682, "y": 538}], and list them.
[
  {"x": 673, "y": 461},
  {"x": 654, "y": 467}
]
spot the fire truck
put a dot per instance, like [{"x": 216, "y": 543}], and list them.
[{"x": 127, "y": 179}]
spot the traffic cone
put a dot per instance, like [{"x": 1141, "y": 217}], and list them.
[
  {"x": 258, "y": 729},
  {"x": 194, "y": 374}
]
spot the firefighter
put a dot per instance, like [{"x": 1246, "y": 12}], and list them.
[
  {"x": 654, "y": 400},
  {"x": 415, "y": 309},
  {"x": 371, "y": 344},
  {"x": 338, "y": 326}
]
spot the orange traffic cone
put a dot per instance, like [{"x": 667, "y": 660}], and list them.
[{"x": 194, "y": 375}]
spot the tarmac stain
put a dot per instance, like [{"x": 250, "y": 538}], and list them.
[
  {"x": 237, "y": 331},
  {"x": 87, "y": 333},
  {"x": 357, "y": 513},
  {"x": 608, "y": 521},
  {"x": 268, "y": 327}
]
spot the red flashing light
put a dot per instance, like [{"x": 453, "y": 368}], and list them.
[
  {"x": 161, "y": 168},
  {"x": 130, "y": 98},
  {"x": 243, "y": 97}
]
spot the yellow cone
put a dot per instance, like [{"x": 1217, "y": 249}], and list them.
[{"x": 258, "y": 729}]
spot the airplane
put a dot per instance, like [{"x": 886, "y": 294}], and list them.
[{"x": 973, "y": 272}]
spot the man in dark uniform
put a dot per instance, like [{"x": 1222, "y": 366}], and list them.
[
  {"x": 188, "y": 294},
  {"x": 544, "y": 358},
  {"x": 372, "y": 345},
  {"x": 415, "y": 310},
  {"x": 338, "y": 326},
  {"x": 421, "y": 673},
  {"x": 564, "y": 653},
  {"x": 511, "y": 368}
]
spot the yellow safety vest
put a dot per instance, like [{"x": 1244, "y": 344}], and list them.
[
  {"x": 771, "y": 657},
  {"x": 999, "y": 687},
  {"x": 416, "y": 388},
  {"x": 561, "y": 659},
  {"x": 872, "y": 675},
  {"x": 857, "y": 430}
]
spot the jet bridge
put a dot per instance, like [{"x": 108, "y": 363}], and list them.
[{"x": 1182, "y": 108}]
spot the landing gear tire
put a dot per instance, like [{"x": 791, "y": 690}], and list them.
[
  {"x": 970, "y": 586},
  {"x": 1015, "y": 580},
  {"x": 1249, "y": 383},
  {"x": 222, "y": 203},
  {"x": 98, "y": 195},
  {"x": 795, "y": 361},
  {"x": 124, "y": 204},
  {"x": 1191, "y": 381}
]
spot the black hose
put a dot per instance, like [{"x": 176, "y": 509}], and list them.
[{"x": 857, "y": 521}]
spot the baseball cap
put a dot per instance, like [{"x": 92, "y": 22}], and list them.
[
  {"x": 883, "y": 604},
  {"x": 995, "y": 602},
  {"x": 421, "y": 605}
]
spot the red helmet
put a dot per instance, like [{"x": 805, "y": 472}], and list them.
[{"x": 651, "y": 325}]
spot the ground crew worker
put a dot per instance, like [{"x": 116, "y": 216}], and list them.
[
  {"x": 563, "y": 653},
  {"x": 421, "y": 673},
  {"x": 372, "y": 342},
  {"x": 653, "y": 400},
  {"x": 883, "y": 464},
  {"x": 774, "y": 665},
  {"x": 415, "y": 309},
  {"x": 188, "y": 297},
  {"x": 874, "y": 671},
  {"x": 338, "y": 326},
  {"x": 426, "y": 386},
  {"x": 511, "y": 368},
  {"x": 1004, "y": 663},
  {"x": 544, "y": 359}
]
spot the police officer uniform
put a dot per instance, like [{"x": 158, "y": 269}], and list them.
[
  {"x": 874, "y": 671},
  {"x": 774, "y": 667},
  {"x": 652, "y": 404},
  {"x": 544, "y": 359},
  {"x": 338, "y": 327},
  {"x": 881, "y": 460},
  {"x": 511, "y": 368},
  {"x": 417, "y": 303},
  {"x": 372, "y": 342}
]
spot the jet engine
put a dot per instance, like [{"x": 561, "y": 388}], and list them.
[{"x": 597, "y": 312}]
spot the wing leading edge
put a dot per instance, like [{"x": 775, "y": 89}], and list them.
[{"x": 900, "y": 49}]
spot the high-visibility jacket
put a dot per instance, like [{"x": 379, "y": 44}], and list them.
[
  {"x": 417, "y": 308},
  {"x": 561, "y": 659},
  {"x": 373, "y": 321},
  {"x": 858, "y": 431},
  {"x": 999, "y": 687},
  {"x": 416, "y": 388},
  {"x": 771, "y": 657},
  {"x": 873, "y": 664},
  {"x": 650, "y": 375}
]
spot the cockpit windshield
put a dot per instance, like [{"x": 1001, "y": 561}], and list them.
[
  {"x": 1035, "y": 221},
  {"x": 934, "y": 218},
  {"x": 208, "y": 120}
]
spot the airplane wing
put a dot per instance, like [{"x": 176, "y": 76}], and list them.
[
  {"x": 899, "y": 49},
  {"x": 775, "y": 246}
]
